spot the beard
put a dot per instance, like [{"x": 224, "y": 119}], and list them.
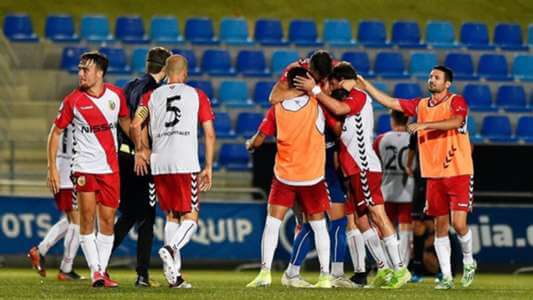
[{"x": 434, "y": 89}]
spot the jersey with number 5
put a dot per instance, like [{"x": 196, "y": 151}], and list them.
[{"x": 175, "y": 111}]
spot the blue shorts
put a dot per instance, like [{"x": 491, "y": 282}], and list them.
[{"x": 337, "y": 193}]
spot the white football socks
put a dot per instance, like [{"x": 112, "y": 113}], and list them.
[
  {"x": 443, "y": 249},
  {"x": 406, "y": 238},
  {"x": 374, "y": 246},
  {"x": 90, "y": 251},
  {"x": 466, "y": 246},
  {"x": 322, "y": 243},
  {"x": 269, "y": 241},
  {"x": 56, "y": 232},
  {"x": 104, "y": 244},
  {"x": 71, "y": 245},
  {"x": 356, "y": 245},
  {"x": 393, "y": 251}
]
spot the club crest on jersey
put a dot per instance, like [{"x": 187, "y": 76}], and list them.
[
  {"x": 112, "y": 104},
  {"x": 81, "y": 181}
]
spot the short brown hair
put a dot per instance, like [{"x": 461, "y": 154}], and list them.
[
  {"x": 98, "y": 59},
  {"x": 155, "y": 60}
]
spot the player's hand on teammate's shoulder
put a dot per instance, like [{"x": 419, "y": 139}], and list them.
[
  {"x": 361, "y": 82},
  {"x": 206, "y": 177},
  {"x": 304, "y": 83},
  {"x": 53, "y": 180},
  {"x": 415, "y": 127}
]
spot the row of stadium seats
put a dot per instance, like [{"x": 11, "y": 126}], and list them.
[
  {"x": 387, "y": 64},
  {"x": 302, "y": 32},
  {"x": 231, "y": 157}
]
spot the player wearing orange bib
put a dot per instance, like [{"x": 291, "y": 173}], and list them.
[{"x": 446, "y": 162}]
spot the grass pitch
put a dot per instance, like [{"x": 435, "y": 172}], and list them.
[{"x": 25, "y": 283}]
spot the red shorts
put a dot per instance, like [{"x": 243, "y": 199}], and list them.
[
  {"x": 399, "y": 213},
  {"x": 177, "y": 192},
  {"x": 313, "y": 199},
  {"x": 106, "y": 187},
  {"x": 349, "y": 206},
  {"x": 64, "y": 199},
  {"x": 452, "y": 193},
  {"x": 365, "y": 190}
]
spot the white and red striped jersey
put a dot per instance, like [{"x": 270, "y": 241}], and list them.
[
  {"x": 355, "y": 147},
  {"x": 392, "y": 148},
  {"x": 95, "y": 121},
  {"x": 175, "y": 111},
  {"x": 64, "y": 155}
]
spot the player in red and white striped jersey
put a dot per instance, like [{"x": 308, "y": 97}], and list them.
[{"x": 94, "y": 109}]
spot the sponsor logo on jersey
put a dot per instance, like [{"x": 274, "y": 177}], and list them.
[
  {"x": 97, "y": 128},
  {"x": 81, "y": 181},
  {"x": 86, "y": 107}
]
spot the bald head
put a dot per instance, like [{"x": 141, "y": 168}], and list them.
[{"x": 176, "y": 66}]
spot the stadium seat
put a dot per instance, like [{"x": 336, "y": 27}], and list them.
[
  {"x": 478, "y": 97},
  {"x": 338, "y": 33},
  {"x": 194, "y": 69},
  {"x": 234, "y": 93},
  {"x": 200, "y": 31},
  {"x": 475, "y": 36},
  {"x": 281, "y": 59},
  {"x": 493, "y": 67},
  {"x": 471, "y": 126},
  {"x": 372, "y": 33},
  {"x": 207, "y": 88},
  {"x": 523, "y": 67},
  {"x": 269, "y": 32},
  {"x": 118, "y": 63},
  {"x": 95, "y": 29},
  {"x": 461, "y": 65},
  {"x": 359, "y": 61},
  {"x": 234, "y": 31},
  {"x": 382, "y": 86},
  {"x": 508, "y": 36},
  {"x": 497, "y": 129},
  {"x": 512, "y": 98},
  {"x": 252, "y": 63},
  {"x": 19, "y": 28},
  {"x": 217, "y": 63},
  {"x": 121, "y": 83},
  {"x": 201, "y": 157},
  {"x": 407, "y": 90},
  {"x": 303, "y": 33},
  {"x": 138, "y": 59},
  {"x": 71, "y": 57},
  {"x": 60, "y": 28},
  {"x": 234, "y": 157},
  {"x": 165, "y": 30},
  {"x": 223, "y": 127},
  {"x": 130, "y": 30},
  {"x": 390, "y": 65},
  {"x": 524, "y": 129},
  {"x": 406, "y": 34},
  {"x": 440, "y": 34},
  {"x": 530, "y": 35},
  {"x": 422, "y": 63},
  {"x": 262, "y": 92},
  {"x": 383, "y": 124},
  {"x": 247, "y": 123}
]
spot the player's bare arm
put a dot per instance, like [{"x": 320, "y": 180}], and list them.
[
  {"x": 52, "y": 145},
  {"x": 452, "y": 123},
  {"x": 331, "y": 104},
  {"x": 210, "y": 139},
  {"x": 125, "y": 123},
  {"x": 378, "y": 95},
  {"x": 410, "y": 162},
  {"x": 142, "y": 153},
  {"x": 255, "y": 141}
]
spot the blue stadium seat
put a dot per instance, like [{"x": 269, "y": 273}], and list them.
[
  {"x": 130, "y": 30},
  {"x": 234, "y": 31},
  {"x": 475, "y": 36},
  {"x": 121, "y": 83},
  {"x": 523, "y": 67},
  {"x": 478, "y": 97},
  {"x": 165, "y": 30},
  {"x": 471, "y": 126},
  {"x": 201, "y": 157},
  {"x": 338, "y": 33},
  {"x": 95, "y": 29},
  {"x": 247, "y": 123},
  {"x": 60, "y": 28},
  {"x": 407, "y": 90},
  {"x": 493, "y": 67},
  {"x": 461, "y": 65},
  {"x": 207, "y": 88},
  {"x": 118, "y": 63},
  {"x": 524, "y": 129},
  {"x": 359, "y": 61},
  {"x": 303, "y": 33},
  {"x": 200, "y": 31},
  {"x": 530, "y": 35},
  {"x": 194, "y": 68},
  {"x": 234, "y": 157},
  {"x": 217, "y": 63},
  {"x": 440, "y": 34},
  {"x": 497, "y": 129},
  {"x": 138, "y": 59},
  {"x": 262, "y": 92},
  {"x": 281, "y": 59},
  {"x": 508, "y": 36},
  {"x": 269, "y": 32},
  {"x": 19, "y": 28},
  {"x": 406, "y": 34},
  {"x": 382, "y": 86},
  {"x": 71, "y": 58},
  {"x": 234, "y": 93},
  {"x": 422, "y": 63},
  {"x": 383, "y": 124},
  {"x": 512, "y": 98},
  {"x": 252, "y": 63},
  {"x": 372, "y": 33},
  {"x": 223, "y": 127},
  {"x": 390, "y": 65}
]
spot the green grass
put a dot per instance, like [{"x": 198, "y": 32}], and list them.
[{"x": 25, "y": 283}]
